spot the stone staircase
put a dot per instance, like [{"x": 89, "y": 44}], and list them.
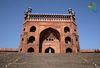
[{"x": 31, "y": 60}]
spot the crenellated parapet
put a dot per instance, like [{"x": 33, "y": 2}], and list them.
[{"x": 29, "y": 16}]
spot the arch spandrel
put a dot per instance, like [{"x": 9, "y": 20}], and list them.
[{"x": 43, "y": 28}]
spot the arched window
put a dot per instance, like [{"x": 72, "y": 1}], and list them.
[
  {"x": 30, "y": 50},
  {"x": 78, "y": 50},
  {"x": 31, "y": 39},
  {"x": 33, "y": 29},
  {"x": 66, "y": 29},
  {"x": 75, "y": 30},
  {"x": 77, "y": 37},
  {"x": 67, "y": 40},
  {"x": 22, "y": 39},
  {"x": 21, "y": 49},
  {"x": 68, "y": 50},
  {"x": 24, "y": 29}
]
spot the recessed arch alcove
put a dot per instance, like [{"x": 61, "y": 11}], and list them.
[{"x": 50, "y": 33}]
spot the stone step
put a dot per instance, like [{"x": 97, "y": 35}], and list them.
[{"x": 31, "y": 60}]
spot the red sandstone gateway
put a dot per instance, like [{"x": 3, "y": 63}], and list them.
[{"x": 49, "y": 33}]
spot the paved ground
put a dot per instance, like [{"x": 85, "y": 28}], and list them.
[{"x": 30, "y": 60}]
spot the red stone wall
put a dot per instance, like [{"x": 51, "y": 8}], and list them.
[
  {"x": 81, "y": 50},
  {"x": 57, "y": 25}
]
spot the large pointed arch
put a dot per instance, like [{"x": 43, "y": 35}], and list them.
[{"x": 45, "y": 33}]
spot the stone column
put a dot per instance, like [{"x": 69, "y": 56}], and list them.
[{"x": 74, "y": 46}]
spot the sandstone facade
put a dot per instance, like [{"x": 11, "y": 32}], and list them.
[{"x": 49, "y": 33}]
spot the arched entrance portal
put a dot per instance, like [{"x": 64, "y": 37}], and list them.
[
  {"x": 49, "y": 50},
  {"x": 30, "y": 50},
  {"x": 68, "y": 50},
  {"x": 49, "y": 38}
]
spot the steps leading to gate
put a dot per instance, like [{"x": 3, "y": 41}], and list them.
[{"x": 31, "y": 60}]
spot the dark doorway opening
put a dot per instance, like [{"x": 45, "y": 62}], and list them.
[
  {"x": 68, "y": 50},
  {"x": 30, "y": 50},
  {"x": 49, "y": 50}
]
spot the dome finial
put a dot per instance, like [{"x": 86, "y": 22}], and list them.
[{"x": 71, "y": 11}]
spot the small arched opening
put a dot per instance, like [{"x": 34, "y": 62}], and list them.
[
  {"x": 77, "y": 37},
  {"x": 67, "y": 40},
  {"x": 78, "y": 50},
  {"x": 31, "y": 39},
  {"x": 24, "y": 29},
  {"x": 22, "y": 39},
  {"x": 66, "y": 29},
  {"x": 49, "y": 50},
  {"x": 68, "y": 50},
  {"x": 21, "y": 49},
  {"x": 30, "y": 50},
  {"x": 33, "y": 29}
]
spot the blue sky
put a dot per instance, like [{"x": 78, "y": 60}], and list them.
[{"x": 12, "y": 17}]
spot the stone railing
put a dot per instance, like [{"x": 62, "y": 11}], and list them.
[
  {"x": 49, "y": 17},
  {"x": 8, "y": 49},
  {"x": 90, "y": 50}
]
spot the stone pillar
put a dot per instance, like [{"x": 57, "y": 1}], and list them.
[{"x": 74, "y": 46}]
